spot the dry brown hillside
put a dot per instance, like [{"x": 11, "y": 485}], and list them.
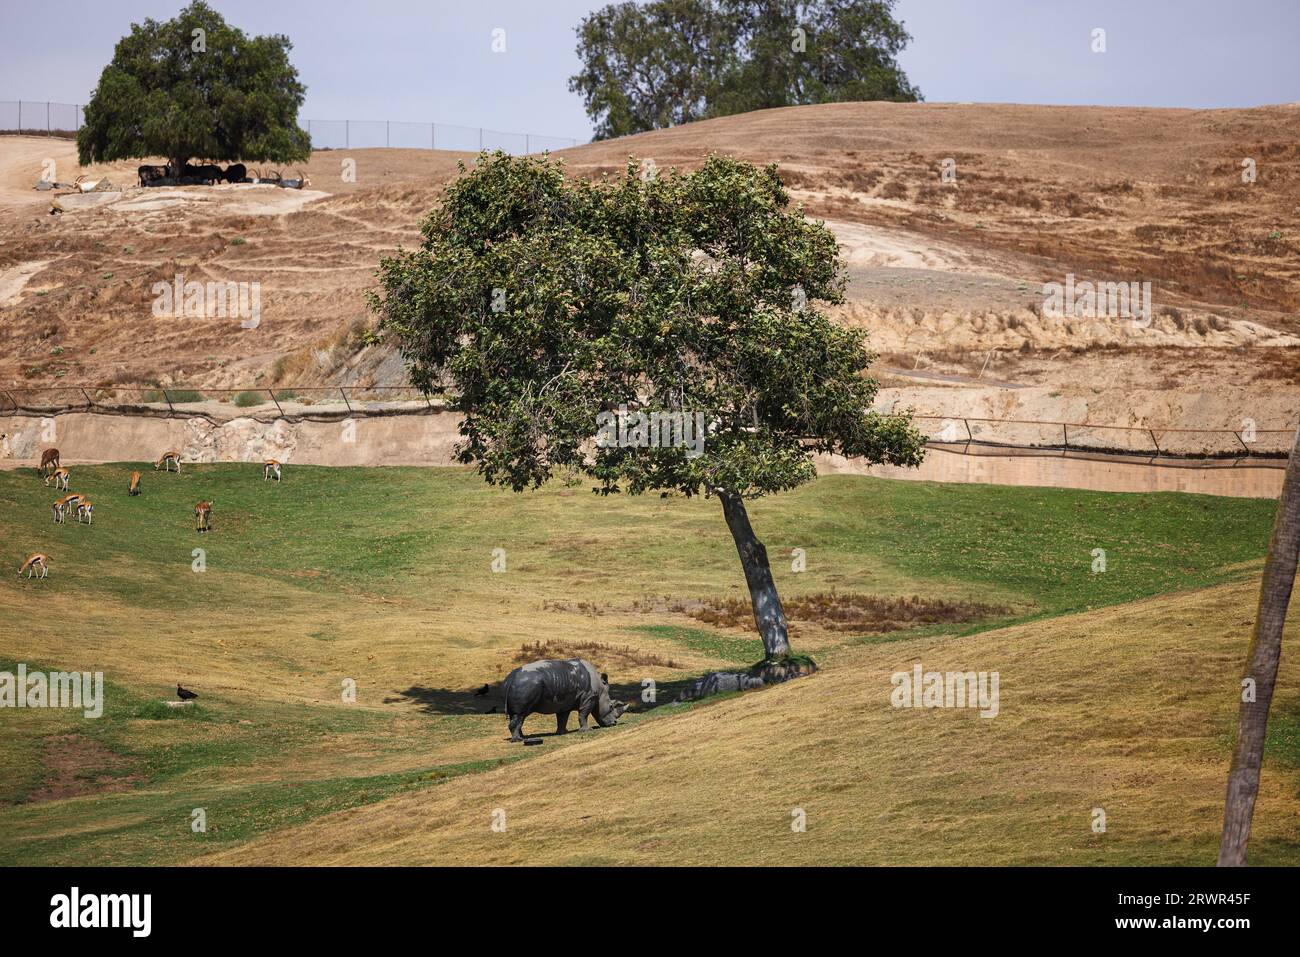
[{"x": 947, "y": 277}]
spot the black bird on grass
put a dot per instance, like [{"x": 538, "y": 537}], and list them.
[
  {"x": 185, "y": 695},
  {"x": 482, "y": 692}
]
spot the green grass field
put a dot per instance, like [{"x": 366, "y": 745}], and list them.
[{"x": 383, "y": 577}]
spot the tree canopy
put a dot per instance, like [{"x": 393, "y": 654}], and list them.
[
  {"x": 194, "y": 86},
  {"x": 539, "y": 305},
  {"x": 673, "y": 61},
  {"x": 536, "y": 303}
]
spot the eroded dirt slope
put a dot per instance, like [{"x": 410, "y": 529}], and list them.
[{"x": 947, "y": 277}]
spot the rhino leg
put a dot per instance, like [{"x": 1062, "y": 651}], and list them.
[
  {"x": 517, "y": 727},
  {"x": 561, "y": 719},
  {"x": 583, "y": 714}
]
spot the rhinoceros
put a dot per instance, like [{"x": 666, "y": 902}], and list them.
[{"x": 559, "y": 687}]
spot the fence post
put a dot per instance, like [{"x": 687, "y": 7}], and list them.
[
  {"x": 170, "y": 407},
  {"x": 47, "y": 119},
  {"x": 480, "y": 139},
  {"x": 528, "y": 144},
  {"x": 276, "y": 401},
  {"x": 343, "y": 393}
]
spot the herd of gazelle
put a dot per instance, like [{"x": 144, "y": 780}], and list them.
[{"x": 77, "y": 504}]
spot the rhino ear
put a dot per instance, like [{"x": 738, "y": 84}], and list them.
[{"x": 604, "y": 677}]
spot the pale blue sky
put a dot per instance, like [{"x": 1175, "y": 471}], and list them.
[{"x": 422, "y": 60}]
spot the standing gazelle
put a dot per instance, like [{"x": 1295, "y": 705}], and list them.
[
  {"x": 167, "y": 461},
  {"x": 49, "y": 461},
  {"x": 203, "y": 517},
  {"x": 270, "y": 469},
  {"x": 60, "y": 477},
  {"x": 134, "y": 487},
  {"x": 86, "y": 511},
  {"x": 39, "y": 560}
]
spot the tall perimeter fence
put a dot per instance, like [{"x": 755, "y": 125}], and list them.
[
  {"x": 1175, "y": 448},
  {"x": 42, "y": 118}
]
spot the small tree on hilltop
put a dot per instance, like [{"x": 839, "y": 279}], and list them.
[
  {"x": 195, "y": 86},
  {"x": 538, "y": 305}
]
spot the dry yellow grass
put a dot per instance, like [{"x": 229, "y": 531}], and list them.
[{"x": 1129, "y": 709}]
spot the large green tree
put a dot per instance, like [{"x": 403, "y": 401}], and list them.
[
  {"x": 543, "y": 307},
  {"x": 672, "y": 61},
  {"x": 194, "y": 86}
]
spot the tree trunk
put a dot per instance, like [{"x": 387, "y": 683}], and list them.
[
  {"x": 768, "y": 613},
  {"x": 1261, "y": 666}
]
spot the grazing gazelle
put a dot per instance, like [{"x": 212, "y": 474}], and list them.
[
  {"x": 65, "y": 505},
  {"x": 49, "y": 461},
  {"x": 203, "y": 517},
  {"x": 134, "y": 487},
  {"x": 60, "y": 477},
  {"x": 167, "y": 461},
  {"x": 87, "y": 511},
  {"x": 272, "y": 468},
  {"x": 39, "y": 560}
]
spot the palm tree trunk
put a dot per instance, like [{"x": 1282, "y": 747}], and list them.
[
  {"x": 768, "y": 613},
  {"x": 1261, "y": 666}
]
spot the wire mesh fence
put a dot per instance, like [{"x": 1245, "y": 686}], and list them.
[
  {"x": 40, "y": 117},
  {"x": 1161, "y": 446},
  {"x": 292, "y": 402},
  {"x": 370, "y": 134},
  {"x": 43, "y": 118}
]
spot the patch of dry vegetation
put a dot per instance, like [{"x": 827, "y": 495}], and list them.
[{"x": 862, "y": 614}]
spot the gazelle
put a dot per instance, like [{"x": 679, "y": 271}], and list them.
[
  {"x": 271, "y": 468},
  {"x": 168, "y": 459},
  {"x": 203, "y": 517},
  {"x": 49, "y": 461},
  {"x": 39, "y": 560},
  {"x": 65, "y": 505},
  {"x": 87, "y": 511},
  {"x": 60, "y": 477},
  {"x": 134, "y": 487}
]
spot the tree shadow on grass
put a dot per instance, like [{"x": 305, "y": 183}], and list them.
[{"x": 449, "y": 701}]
